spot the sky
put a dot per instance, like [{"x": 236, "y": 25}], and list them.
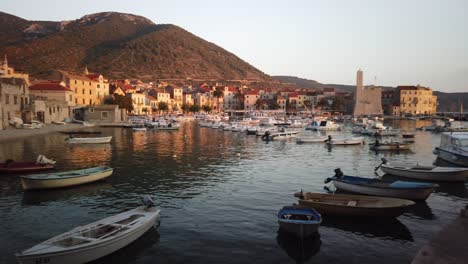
[{"x": 397, "y": 42}]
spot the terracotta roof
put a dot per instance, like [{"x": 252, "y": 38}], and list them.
[
  {"x": 292, "y": 95},
  {"x": 79, "y": 76},
  {"x": 328, "y": 90},
  {"x": 94, "y": 77},
  {"x": 49, "y": 86},
  {"x": 127, "y": 87},
  {"x": 251, "y": 92},
  {"x": 151, "y": 98},
  {"x": 407, "y": 87}
]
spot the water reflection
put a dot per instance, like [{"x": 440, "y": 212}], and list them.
[
  {"x": 299, "y": 249},
  {"x": 421, "y": 210},
  {"x": 39, "y": 197},
  {"x": 391, "y": 229}
]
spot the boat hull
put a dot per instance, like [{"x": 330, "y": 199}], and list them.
[
  {"x": 412, "y": 194},
  {"x": 100, "y": 140},
  {"x": 299, "y": 230},
  {"x": 35, "y": 184},
  {"x": 427, "y": 175},
  {"x": 90, "y": 253},
  {"x": 375, "y": 206},
  {"x": 391, "y": 147},
  {"x": 24, "y": 167},
  {"x": 452, "y": 157}
]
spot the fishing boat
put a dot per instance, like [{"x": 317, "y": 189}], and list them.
[
  {"x": 353, "y": 205},
  {"x": 453, "y": 148},
  {"x": 397, "y": 189},
  {"x": 64, "y": 179},
  {"x": 392, "y": 145},
  {"x": 311, "y": 139},
  {"x": 81, "y": 132},
  {"x": 427, "y": 173},
  {"x": 88, "y": 140},
  {"x": 42, "y": 163},
  {"x": 346, "y": 141},
  {"x": 299, "y": 221},
  {"x": 280, "y": 135},
  {"x": 93, "y": 241}
]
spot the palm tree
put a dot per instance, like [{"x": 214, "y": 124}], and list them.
[
  {"x": 218, "y": 93},
  {"x": 259, "y": 103}
]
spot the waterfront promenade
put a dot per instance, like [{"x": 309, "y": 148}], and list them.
[{"x": 15, "y": 133}]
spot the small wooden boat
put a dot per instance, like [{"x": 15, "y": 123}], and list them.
[
  {"x": 427, "y": 173},
  {"x": 299, "y": 221},
  {"x": 346, "y": 141},
  {"x": 397, "y": 189},
  {"x": 311, "y": 140},
  {"x": 139, "y": 128},
  {"x": 393, "y": 145},
  {"x": 88, "y": 140},
  {"x": 353, "y": 205},
  {"x": 65, "y": 179},
  {"x": 42, "y": 163},
  {"x": 93, "y": 241},
  {"x": 81, "y": 132}
]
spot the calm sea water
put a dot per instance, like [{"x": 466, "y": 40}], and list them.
[{"x": 219, "y": 193}]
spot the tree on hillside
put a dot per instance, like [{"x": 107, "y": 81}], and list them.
[
  {"x": 218, "y": 93},
  {"x": 163, "y": 106},
  {"x": 194, "y": 108},
  {"x": 207, "y": 108},
  {"x": 122, "y": 101},
  {"x": 185, "y": 107}
]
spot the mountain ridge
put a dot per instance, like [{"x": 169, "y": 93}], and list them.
[{"x": 117, "y": 45}]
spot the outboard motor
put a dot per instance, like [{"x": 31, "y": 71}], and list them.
[{"x": 148, "y": 201}]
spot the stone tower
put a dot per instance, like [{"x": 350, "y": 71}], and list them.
[{"x": 367, "y": 101}]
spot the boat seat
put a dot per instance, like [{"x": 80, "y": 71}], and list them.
[
  {"x": 85, "y": 238},
  {"x": 351, "y": 203}
]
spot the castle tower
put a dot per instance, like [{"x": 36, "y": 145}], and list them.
[{"x": 358, "y": 93}]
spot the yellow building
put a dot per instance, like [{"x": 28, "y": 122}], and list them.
[
  {"x": 89, "y": 88},
  {"x": 9, "y": 72},
  {"x": 416, "y": 100}
]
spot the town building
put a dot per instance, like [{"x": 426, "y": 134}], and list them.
[
  {"x": 90, "y": 89},
  {"x": 415, "y": 100},
  {"x": 14, "y": 101},
  {"x": 367, "y": 100},
  {"x": 52, "y": 101},
  {"x": 250, "y": 100},
  {"x": 104, "y": 114}
]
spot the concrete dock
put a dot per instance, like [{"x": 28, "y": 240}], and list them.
[{"x": 449, "y": 246}]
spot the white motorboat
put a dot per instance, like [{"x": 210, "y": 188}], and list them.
[
  {"x": 346, "y": 141},
  {"x": 453, "y": 148},
  {"x": 427, "y": 173},
  {"x": 311, "y": 139},
  {"x": 139, "y": 128},
  {"x": 64, "y": 179},
  {"x": 325, "y": 125},
  {"x": 88, "y": 140},
  {"x": 281, "y": 135},
  {"x": 93, "y": 241}
]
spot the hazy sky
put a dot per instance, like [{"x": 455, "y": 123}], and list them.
[{"x": 401, "y": 42}]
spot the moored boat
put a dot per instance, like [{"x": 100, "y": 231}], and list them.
[
  {"x": 353, "y": 205},
  {"x": 346, "y": 141},
  {"x": 299, "y": 221},
  {"x": 392, "y": 145},
  {"x": 88, "y": 140},
  {"x": 64, "y": 179},
  {"x": 42, "y": 163},
  {"x": 139, "y": 128},
  {"x": 396, "y": 189},
  {"x": 93, "y": 241},
  {"x": 453, "y": 148},
  {"x": 427, "y": 173},
  {"x": 311, "y": 139}
]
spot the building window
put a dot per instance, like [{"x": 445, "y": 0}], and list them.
[
  {"x": 83, "y": 91},
  {"x": 104, "y": 115},
  {"x": 90, "y": 92},
  {"x": 75, "y": 82},
  {"x": 76, "y": 100},
  {"x": 84, "y": 101},
  {"x": 82, "y": 82},
  {"x": 15, "y": 99},
  {"x": 90, "y": 101},
  {"x": 91, "y": 110},
  {"x": 50, "y": 110},
  {"x": 7, "y": 98},
  {"x": 89, "y": 83},
  {"x": 70, "y": 97},
  {"x": 98, "y": 86}
]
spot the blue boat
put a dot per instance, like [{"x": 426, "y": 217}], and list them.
[
  {"x": 299, "y": 221},
  {"x": 378, "y": 187}
]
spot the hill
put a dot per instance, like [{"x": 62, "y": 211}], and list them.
[{"x": 119, "y": 46}]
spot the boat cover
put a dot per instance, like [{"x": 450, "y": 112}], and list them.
[{"x": 410, "y": 185}]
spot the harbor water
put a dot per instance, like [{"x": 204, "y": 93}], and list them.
[{"x": 219, "y": 193}]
